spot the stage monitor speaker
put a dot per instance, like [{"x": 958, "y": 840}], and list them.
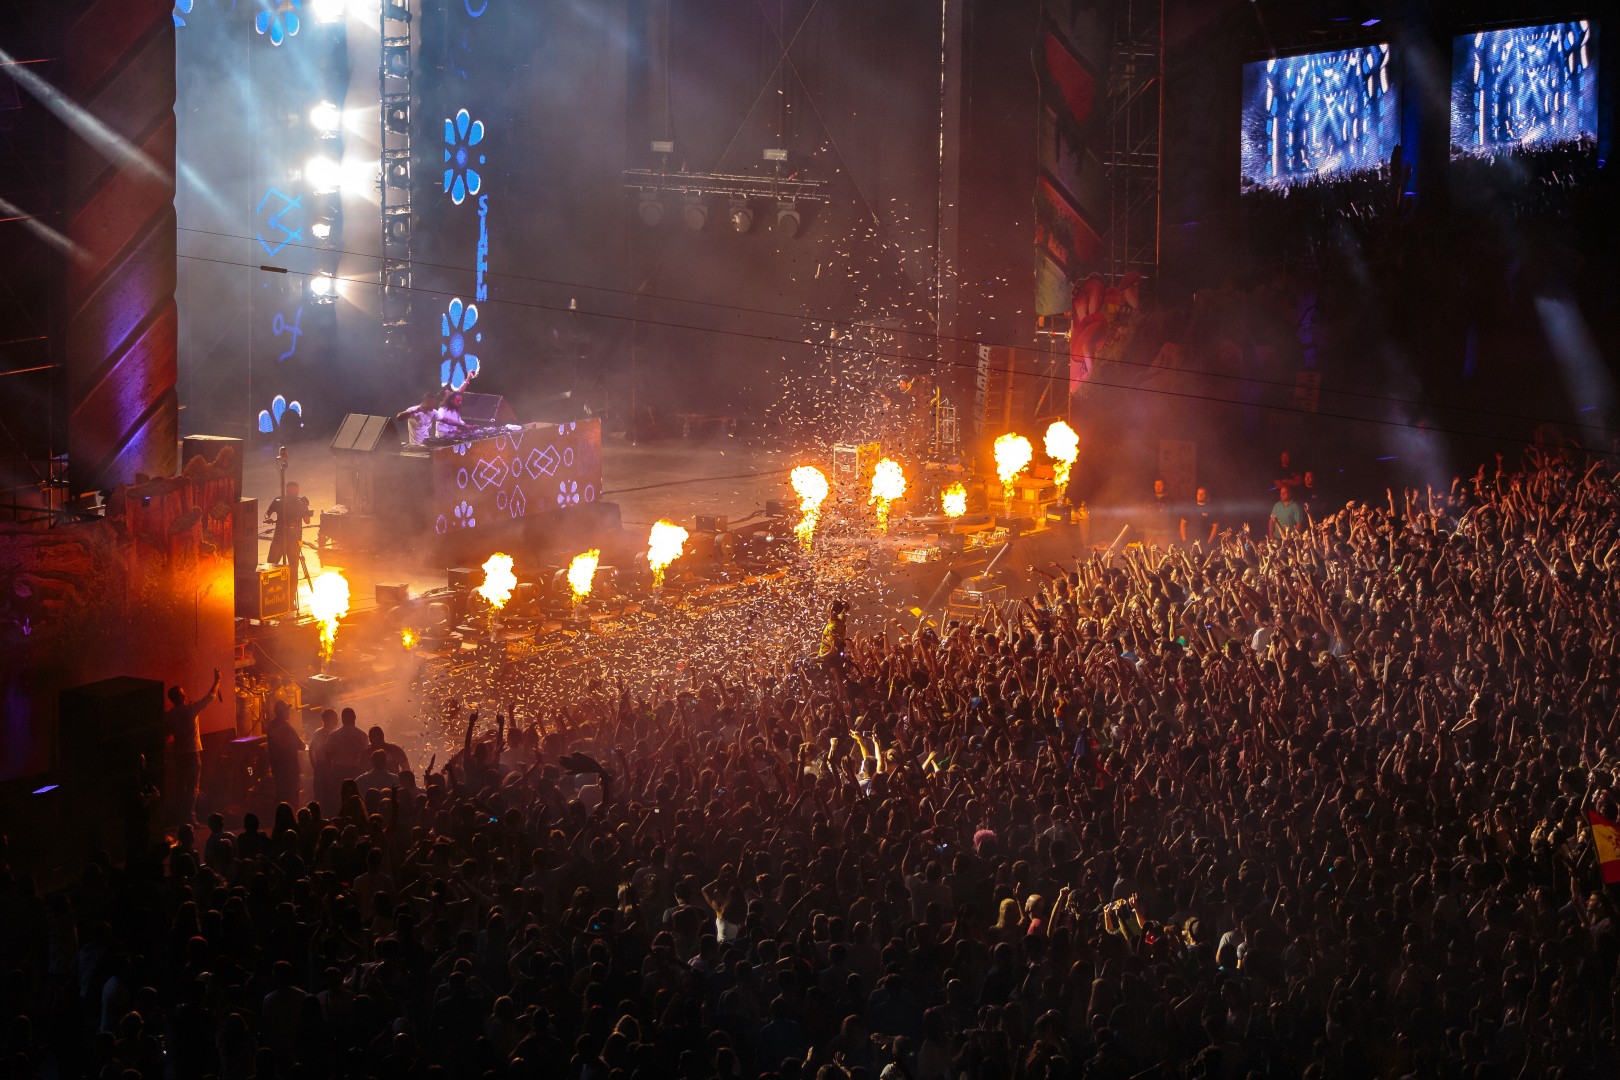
[
  {"x": 392, "y": 595},
  {"x": 707, "y": 523},
  {"x": 103, "y": 725},
  {"x": 776, "y": 508},
  {"x": 264, "y": 593},
  {"x": 486, "y": 409},
  {"x": 322, "y": 691},
  {"x": 365, "y": 433},
  {"x": 208, "y": 447},
  {"x": 464, "y": 577}
]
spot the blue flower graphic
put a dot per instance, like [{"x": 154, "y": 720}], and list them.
[
  {"x": 280, "y": 23},
  {"x": 460, "y": 136},
  {"x": 464, "y": 517},
  {"x": 457, "y": 366},
  {"x": 182, "y": 8},
  {"x": 271, "y": 419}
]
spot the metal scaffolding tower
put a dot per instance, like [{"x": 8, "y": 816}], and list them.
[
  {"x": 395, "y": 71},
  {"x": 1135, "y": 122}
]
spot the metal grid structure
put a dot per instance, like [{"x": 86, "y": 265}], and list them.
[
  {"x": 1135, "y": 124},
  {"x": 395, "y": 70}
]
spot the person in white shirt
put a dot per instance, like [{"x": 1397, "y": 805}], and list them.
[{"x": 418, "y": 419}]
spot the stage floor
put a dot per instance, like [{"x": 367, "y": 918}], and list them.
[{"x": 667, "y": 478}]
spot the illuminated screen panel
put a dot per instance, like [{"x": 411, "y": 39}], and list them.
[
  {"x": 495, "y": 480},
  {"x": 1524, "y": 88},
  {"x": 1318, "y": 116}
]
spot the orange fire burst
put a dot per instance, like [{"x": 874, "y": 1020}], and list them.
[
  {"x": 1013, "y": 455},
  {"x": 581, "y": 571},
  {"x": 328, "y": 603},
  {"x": 499, "y": 581},
  {"x": 953, "y": 500},
  {"x": 1063, "y": 447},
  {"x": 888, "y": 484},
  {"x": 810, "y": 485},
  {"x": 407, "y": 637},
  {"x": 664, "y": 544}
]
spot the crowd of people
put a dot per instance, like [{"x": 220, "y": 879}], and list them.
[{"x": 1303, "y": 805}]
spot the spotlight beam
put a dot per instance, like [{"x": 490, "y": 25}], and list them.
[{"x": 109, "y": 143}]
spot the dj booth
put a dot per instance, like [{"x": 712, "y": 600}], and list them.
[{"x": 502, "y": 484}]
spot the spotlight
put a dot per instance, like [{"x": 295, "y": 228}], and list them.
[
  {"x": 328, "y": 11},
  {"x": 323, "y": 174},
  {"x": 695, "y": 212},
  {"x": 397, "y": 61},
  {"x": 398, "y": 118},
  {"x": 397, "y": 10},
  {"x": 323, "y": 288},
  {"x": 787, "y": 218},
  {"x": 652, "y": 211},
  {"x": 742, "y": 218},
  {"x": 327, "y": 119},
  {"x": 326, "y": 213},
  {"x": 399, "y": 227},
  {"x": 399, "y": 172}
]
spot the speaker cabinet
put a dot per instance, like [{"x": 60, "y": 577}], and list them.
[
  {"x": 102, "y": 727},
  {"x": 209, "y": 448}
]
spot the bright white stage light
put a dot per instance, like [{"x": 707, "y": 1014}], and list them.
[
  {"x": 320, "y": 230},
  {"x": 323, "y": 287},
  {"x": 328, "y": 11},
  {"x": 323, "y": 174},
  {"x": 326, "y": 118}
]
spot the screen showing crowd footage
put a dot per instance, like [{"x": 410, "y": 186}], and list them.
[
  {"x": 1526, "y": 88},
  {"x": 1318, "y": 116}
]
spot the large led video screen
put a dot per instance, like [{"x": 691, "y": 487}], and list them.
[
  {"x": 1318, "y": 116},
  {"x": 1525, "y": 88}
]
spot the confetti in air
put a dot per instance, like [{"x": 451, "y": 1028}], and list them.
[
  {"x": 1063, "y": 447},
  {"x": 888, "y": 484},
  {"x": 1013, "y": 455},
  {"x": 499, "y": 581},
  {"x": 581, "y": 571},
  {"x": 664, "y": 544},
  {"x": 810, "y": 485},
  {"x": 953, "y": 500},
  {"x": 328, "y": 603}
]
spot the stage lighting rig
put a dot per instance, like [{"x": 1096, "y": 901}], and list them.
[
  {"x": 328, "y": 11},
  {"x": 788, "y": 221},
  {"x": 325, "y": 224},
  {"x": 398, "y": 118},
  {"x": 323, "y": 174},
  {"x": 397, "y": 61},
  {"x": 398, "y": 222},
  {"x": 327, "y": 120},
  {"x": 789, "y": 194},
  {"x": 322, "y": 288},
  {"x": 694, "y": 211}
]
